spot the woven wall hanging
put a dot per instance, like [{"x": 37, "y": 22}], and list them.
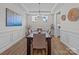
[{"x": 73, "y": 14}]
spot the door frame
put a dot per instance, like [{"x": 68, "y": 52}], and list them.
[{"x": 56, "y": 13}]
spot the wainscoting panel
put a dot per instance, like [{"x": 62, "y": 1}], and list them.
[
  {"x": 9, "y": 38},
  {"x": 71, "y": 39},
  {"x": 4, "y": 40}
]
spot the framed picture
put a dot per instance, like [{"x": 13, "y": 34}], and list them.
[{"x": 13, "y": 18}]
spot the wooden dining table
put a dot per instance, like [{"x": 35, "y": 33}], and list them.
[{"x": 30, "y": 39}]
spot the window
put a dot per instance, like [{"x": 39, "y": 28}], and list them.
[
  {"x": 34, "y": 18},
  {"x": 42, "y": 18},
  {"x": 45, "y": 18}
]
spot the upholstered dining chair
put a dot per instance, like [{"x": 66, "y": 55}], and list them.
[{"x": 39, "y": 45}]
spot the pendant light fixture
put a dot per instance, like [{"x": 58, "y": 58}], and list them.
[{"x": 39, "y": 10}]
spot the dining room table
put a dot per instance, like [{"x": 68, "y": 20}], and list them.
[{"x": 30, "y": 39}]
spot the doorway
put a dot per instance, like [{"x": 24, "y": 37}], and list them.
[{"x": 58, "y": 23}]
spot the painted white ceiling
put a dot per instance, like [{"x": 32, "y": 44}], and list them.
[{"x": 34, "y": 7}]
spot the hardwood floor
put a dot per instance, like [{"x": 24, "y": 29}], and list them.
[
  {"x": 20, "y": 48},
  {"x": 57, "y": 48}
]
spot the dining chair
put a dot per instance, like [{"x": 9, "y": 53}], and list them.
[{"x": 39, "y": 44}]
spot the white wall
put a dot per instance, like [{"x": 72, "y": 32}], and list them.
[
  {"x": 10, "y": 35},
  {"x": 69, "y": 30},
  {"x": 40, "y": 23}
]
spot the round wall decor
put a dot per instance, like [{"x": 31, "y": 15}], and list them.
[
  {"x": 73, "y": 14},
  {"x": 63, "y": 17}
]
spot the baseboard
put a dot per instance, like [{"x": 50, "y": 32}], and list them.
[
  {"x": 11, "y": 44},
  {"x": 73, "y": 49}
]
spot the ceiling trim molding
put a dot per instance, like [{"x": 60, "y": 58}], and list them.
[
  {"x": 37, "y": 14},
  {"x": 40, "y": 11},
  {"x": 55, "y": 5},
  {"x": 22, "y": 5},
  {"x": 27, "y": 11}
]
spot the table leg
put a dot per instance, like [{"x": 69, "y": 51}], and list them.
[
  {"x": 49, "y": 45},
  {"x": 29, "y": 46}
]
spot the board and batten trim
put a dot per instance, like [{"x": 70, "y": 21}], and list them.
[
  {"x": 9, "y": 43},
  {"x": 75, "y": 35}
]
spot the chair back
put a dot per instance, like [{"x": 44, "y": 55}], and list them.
[{"x": 39, "y": 41}]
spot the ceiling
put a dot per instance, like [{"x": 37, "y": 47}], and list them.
[{"x": 38, "y": 7}]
